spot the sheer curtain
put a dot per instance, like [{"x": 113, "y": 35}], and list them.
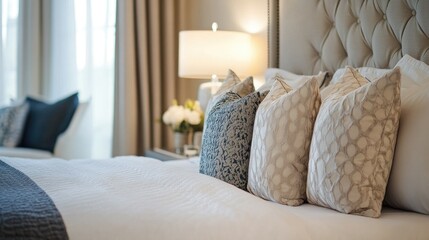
[
  {"x": 60, "y": 49},
  {"x": 95, "y": 56},
  {"x": 82, "y": 57},
  {"x": 9, "y": 10}
]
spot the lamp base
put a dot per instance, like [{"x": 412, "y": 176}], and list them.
[{"x": 205, "y": 92}]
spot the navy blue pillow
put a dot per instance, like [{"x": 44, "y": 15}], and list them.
[{"x": 45, "y": 122}]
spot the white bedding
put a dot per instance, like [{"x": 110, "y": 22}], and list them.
[{"x": 141, "y": 198}]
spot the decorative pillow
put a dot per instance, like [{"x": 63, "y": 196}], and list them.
[
  {"x": 232, "y": 83},
  {"x": 352, "y": 146},
  {"x": 281, "y": 141},
  {"x": 226, "y": 144},
  {"x": 45, "y": 122},
  {"x": 349, "y": 81},
  {"x": 408, "y": 186},
  {"x": 367, "y": 72},
  {"x": 293, "y": 80},
  {"x": 12, "y": 120}
]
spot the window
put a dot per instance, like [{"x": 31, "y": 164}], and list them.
[
  {"x": 90, "y": 43},
  {"x": 9, "y": 10}
]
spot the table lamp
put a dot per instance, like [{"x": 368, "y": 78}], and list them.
[{"x": 209, "y": 55}]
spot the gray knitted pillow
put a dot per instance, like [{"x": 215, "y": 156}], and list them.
[
  {"x": 12, "y": 120},
  {"x": 226, "y": 143}
]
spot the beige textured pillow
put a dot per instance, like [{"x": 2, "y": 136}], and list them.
[
  {"x": 293, "y": 80},
  {"x": 281, "y": 140},
  {"x": 408, "y": 182},
  {"x": 367, "y": 72},
  {"x": 349, "y": 81},
  {"x": 232, "y": 83},
  {"x": 353, "y": 144}
]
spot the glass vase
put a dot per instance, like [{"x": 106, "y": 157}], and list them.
[{"x": 180, "y": 139}]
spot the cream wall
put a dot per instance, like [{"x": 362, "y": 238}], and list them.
[{"x": 231, "y": 15}]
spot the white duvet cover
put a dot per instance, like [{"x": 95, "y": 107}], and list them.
[{"x": 142, "y": 198}]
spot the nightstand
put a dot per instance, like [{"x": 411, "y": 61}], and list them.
[{"x": 164, "y": 155}]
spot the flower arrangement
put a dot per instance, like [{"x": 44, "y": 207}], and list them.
[{"x": 184, "y": 118}]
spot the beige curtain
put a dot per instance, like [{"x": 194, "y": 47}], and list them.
[{"x": 145, "y": 73}]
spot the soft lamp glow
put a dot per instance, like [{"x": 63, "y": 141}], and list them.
[
  {"x": 206, "y": 53},
  {"x": 209, "y": 54}
]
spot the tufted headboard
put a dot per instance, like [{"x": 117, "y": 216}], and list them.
[{"x": 306, "y": 36}]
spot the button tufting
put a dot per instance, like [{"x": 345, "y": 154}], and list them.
[
  {"x": 358, "y": 21},
  {"x": 384, "y": 17},
  {"x": 413, "y": 12}
]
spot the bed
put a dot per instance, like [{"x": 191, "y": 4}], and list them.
[
  {"x": 143, "y": 198},
  {"x": 140, "y": 198}
]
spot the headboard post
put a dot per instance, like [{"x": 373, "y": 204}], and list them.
[{"x": 273, "y": 33}]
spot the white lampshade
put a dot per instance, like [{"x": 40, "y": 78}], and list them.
[{"x": 204, "y": 53}]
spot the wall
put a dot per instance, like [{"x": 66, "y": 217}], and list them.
[{"x": 231, "y": 15}]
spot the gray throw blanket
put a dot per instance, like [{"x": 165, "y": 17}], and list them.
[{"x": 26, "y": 211}]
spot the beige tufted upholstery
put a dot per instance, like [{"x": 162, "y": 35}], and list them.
[{"x": 317, "y": 35}]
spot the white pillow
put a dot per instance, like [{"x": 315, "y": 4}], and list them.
[
  {"x": 408, "y": 186},
  {"x": 293, "y": 80}
]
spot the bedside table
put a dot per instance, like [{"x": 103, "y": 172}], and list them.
[{"x": 164, "y": 155}]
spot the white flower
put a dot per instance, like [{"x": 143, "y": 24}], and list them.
[
  {"x": 174, "y": 115},
  {"x": 182, "y": 118},
  {"x": 192, "y": 117}
]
